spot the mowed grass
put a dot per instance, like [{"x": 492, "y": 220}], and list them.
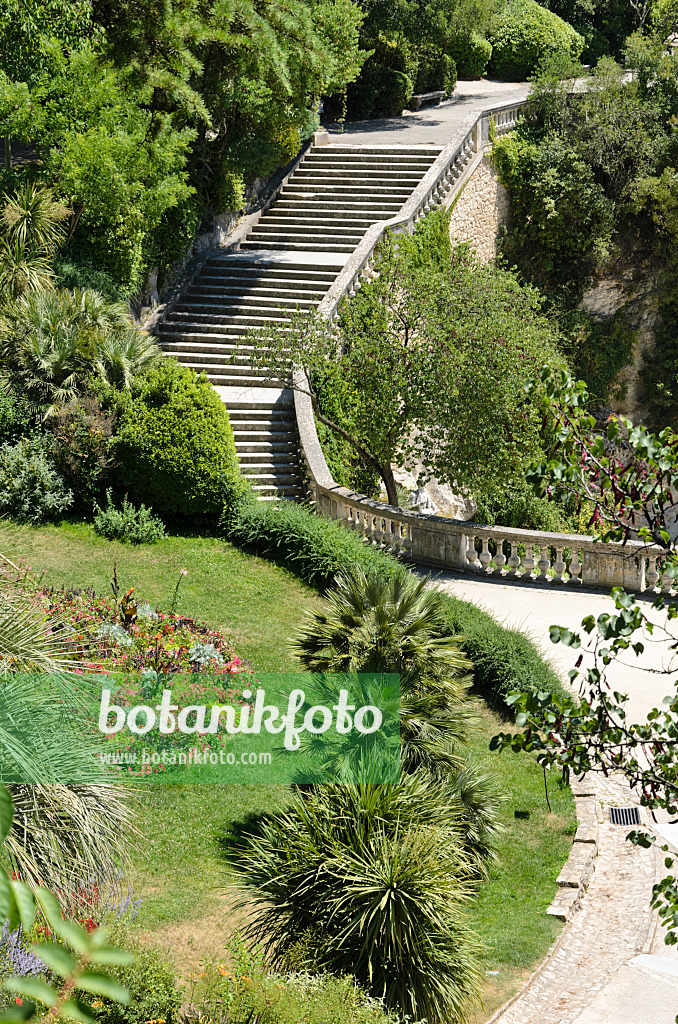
[
  {"x": 254, "y": 602},
  {"x": 179, "y": 867}
]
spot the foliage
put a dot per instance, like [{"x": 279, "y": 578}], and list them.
[
  {"x": 471, "y": 53},
  {"x": 428, "y": 363},
  {"x": 523, "y": 34},
  {"x": 16, "y": 416},
  {"x": 31, "y": 231},
  {"x": 128, "y": 523},
  {"x": 82, "y": 448},
  {"x": 31, "y": 490},
  {"x": 520, "y": 508},
  {"x": 378, "y": 875},
  {"x": 604, "y": 26},
  {"x": 175, "y": 443},
  {"x": 149, "y": 977},
  {"x": 599, "y": 351},
  {"x": 54, "y": 343},
  {"x": 314, "y": 548},
  {"x": 373, "y": 625},
  {"x": 82, "y": 273},
  {"x": 236, "y": 994},
  {"x": 379, "y": 92}
]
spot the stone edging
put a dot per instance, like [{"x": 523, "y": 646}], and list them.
[{"x": 576, "y": 872}]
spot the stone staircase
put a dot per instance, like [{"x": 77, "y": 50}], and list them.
[{"x": 288, "y": 261}]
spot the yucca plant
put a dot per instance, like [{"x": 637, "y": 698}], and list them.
[
  {"x": 32, "y": 228},
  {"x": 373, "y": 882}
]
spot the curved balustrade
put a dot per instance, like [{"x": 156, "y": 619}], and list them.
[{"x": 564, "y": 560}]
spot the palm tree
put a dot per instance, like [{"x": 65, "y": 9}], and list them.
[
  {"x": 32, "y": 230},
  {"x": 374, "y": 625},
  {"x": 52, "y": 343}
]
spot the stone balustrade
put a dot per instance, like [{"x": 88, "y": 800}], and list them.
[{"x": 532, "y": 557}]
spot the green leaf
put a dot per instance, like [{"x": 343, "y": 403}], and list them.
[
  {"x": 25, "y": 903},
  {"x": 74, "y": 1009},
  {"x": 55, "y": 957},
  {"x": 6, "y": 813},
  {"x": 69, "y": 932},
  {"x": 5, "y": 897},
  {"x": 100, "y": 984},
  {"x": 17, "y": 1014},
  {"x": 34, "y": 988}
]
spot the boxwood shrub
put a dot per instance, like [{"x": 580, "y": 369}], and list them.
[
  {"x": 315, "y": 548},
  {"x": 175, "y": 444},
  {"x": 471, "y": 54},
  {"x": 523, "y": 34}
]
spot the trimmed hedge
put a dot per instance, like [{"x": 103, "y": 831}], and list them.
[
  {"x": 315, "y": 548},
  {"x": 524, "y": 34}
]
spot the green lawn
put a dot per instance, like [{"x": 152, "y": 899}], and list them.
[
  {"x": 253, "y": 601},
  {"x": 179, "y": 868}
]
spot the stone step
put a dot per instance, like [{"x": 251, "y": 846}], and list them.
[
  {"x": 367, "y": 190},
  {"x": 249, "y": 304},
  {"x": 214, "y": 286},
  {"x": 367, "y": 165},
  {"x": 269, "y": 436},
  {"x": 311, "y": 226},
  {"x": 264, "y": 449},
  {"x": 332, "y": 219},
  {"x": 284, "y": 246},
  {"x": 305, "y": 240},
  {"x": 330, "y": 175},
  {"x": 337, "y": 207},
  {"x": 264, "y": 271}
]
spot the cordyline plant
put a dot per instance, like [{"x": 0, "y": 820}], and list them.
[{"x": 630, "y": 478}]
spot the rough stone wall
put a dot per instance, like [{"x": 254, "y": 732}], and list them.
[{"x": 482, "y": 207}]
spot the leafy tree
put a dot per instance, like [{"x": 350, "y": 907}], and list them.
[{"x": 428, "y": 361}]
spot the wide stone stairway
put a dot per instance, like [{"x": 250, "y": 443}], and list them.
[{"x": 288, "y": 261}]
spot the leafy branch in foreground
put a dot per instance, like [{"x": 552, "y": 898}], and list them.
[{"x": 82, "y": 970}]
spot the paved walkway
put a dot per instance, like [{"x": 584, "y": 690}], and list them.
[
  {"x": 432, "y": 125},
  {"x": 611, "y": 965}
]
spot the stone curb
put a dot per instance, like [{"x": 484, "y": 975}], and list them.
[{"x": 577, "y": 870}]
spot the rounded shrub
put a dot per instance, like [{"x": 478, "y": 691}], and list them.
[
  {"x": 175, "y": 443},
  {"x": 471, "y": 54},
  {"x": 524, "y": 34},
  {"x": 378, "y": 92},
  {"x": 31, "y": 490},
  {"x": 436, "y": 71}
]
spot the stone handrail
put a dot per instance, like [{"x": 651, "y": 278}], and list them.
[
  {"x": 525, "y": 555},
  {"x": 438, "y": 187}
]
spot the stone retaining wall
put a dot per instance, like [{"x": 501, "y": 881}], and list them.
[{"x": 482, "y": 207}]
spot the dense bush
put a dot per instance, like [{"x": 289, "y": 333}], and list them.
[
  {"x": 435, "y": 71},
  {"x": 127, "y": 523},
  {"x": 316, "y": 548},
  {"x": 151, "y": 982},
  {"x": 523, "y": 34},
  {"x": 175, "y": 443},
  {"x": 471, "y": 54},
  {"x": 31, "y": 490},
  {"x": 520, "y": 508},
  {"x": 82, "y": 448},
  {"x": 17, "y": 418},
  {"x": 379, "y": 92}
]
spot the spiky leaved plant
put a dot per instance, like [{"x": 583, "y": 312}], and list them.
[{"x": 373, "y": 882}]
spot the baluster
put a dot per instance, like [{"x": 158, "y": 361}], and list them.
[
  {"x": 485, "y": 557},
  {"x": 397, "y": 537},
  {"x": 500, "y": 557},
  {"x": 368, "y": 532},
  {"x": 388, "y": 534},
  {"x": 514, "y": 559},
  {"x": 407, "y": 539},
  {"x": 667, "y": 583},
  {"x": 652, "y": 576},
  {"x": 529, "y": 560},
  {"x": 559, "y": 565},
  {"x": 352, "y": 290},
  {"x": 378, "y": 531},
  {"x": 575, "y": 566},
  {"x": 471, "y": 553},
  {"x": 544, "y": 563}
]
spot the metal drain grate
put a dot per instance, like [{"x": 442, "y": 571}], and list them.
[{"x": 624, "y": 816}]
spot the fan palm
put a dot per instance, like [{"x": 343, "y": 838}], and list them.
[
  {"x": 373, "y": 625},
  {"x": 53, "y": 342}
]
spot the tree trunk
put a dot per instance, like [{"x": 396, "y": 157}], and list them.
[
  {"x": 386, "y": 473},
  {"x": 8, "y": 153}
]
